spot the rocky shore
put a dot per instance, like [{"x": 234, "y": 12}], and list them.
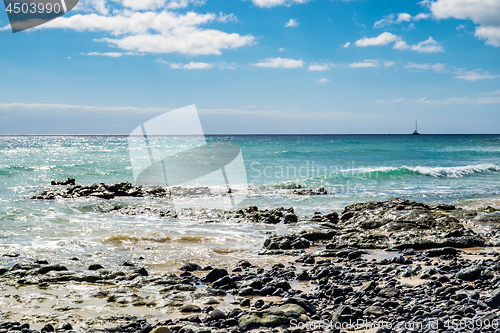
[{"x": 392, "y": 266}]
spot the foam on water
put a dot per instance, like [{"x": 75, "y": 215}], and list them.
[{"x": 449, "y": 169}]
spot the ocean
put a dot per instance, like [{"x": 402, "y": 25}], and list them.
[{"x": 463, "y": 170}]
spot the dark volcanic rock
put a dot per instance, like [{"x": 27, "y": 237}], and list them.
[
  {"x": 441, "y": 251},
  {"x": 69, "y": 181},
  {"x": 494, "y": 300},
  {"x": 270, "y": 216},
  {"x": 272, "y": 317},
  {"x": 190, "y": 267},
  {"x": 321, "y": 191},
  {"x": 216, "y": 274},
  {"x": 286, "y": 242},
  {"x": 471, "y": 273},
  {"x": 332, "y": 217}
]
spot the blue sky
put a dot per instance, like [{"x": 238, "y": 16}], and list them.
[{"x": 257, "y": 66}]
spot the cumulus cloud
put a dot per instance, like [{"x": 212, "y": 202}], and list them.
[
  {"x": 485, "y": 13},
  {"x": 382, "y": 39},
  {"x": 109, "y": 54},
  {"x": 319, "y": 67},
  {"x": 365, "y": 64},
  {"x": 158, "y": 4},
  {"x": 427, "y": 46},
  {"x": 438, "y": 67},
  {"x": 157, "y": 32},
  {"x": 404, "y": 17},
  {"x": 292, "y": 23},
  {"x": 390, "y": 19},
  {"x": 274, "y": 3},
  {"x": 458, "y": 73},
  {"x": 280, "y": 63},
  {"x": 105, "y": 54},
  {"x": 475, "y": 75},
  {"x": 191, "y": 65}
]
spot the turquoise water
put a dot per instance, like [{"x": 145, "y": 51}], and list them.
[{"x": 455, "y": 169}]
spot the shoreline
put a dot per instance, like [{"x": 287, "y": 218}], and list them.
[{"x": 370, "y": 264}]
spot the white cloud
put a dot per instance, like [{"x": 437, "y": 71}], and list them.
[
  {"x": 427, "y": 46},
  {"x": 365, "y": 64},
  {"x": 404, "y": 17},
  {"x": 158, "y": 4},
  {"x": 191, "y": 65},
  {"x": 386, "y": 21},
  {"x": 421, "y": 16},
  {"x": 109, "y": 54},
  {"x": 281, "y": 49},
  {"x": 323, "y": 80},
  {"x": 319, "y": 67},
  {"x": 485, "y": 13},
  {"x": 490, "y": 34},
  {"x": 292, "y": 23},
  {"x": 346, "y": 45},
  {"x": 458, "y": 73},
  {"x": 273, "y": 3},
  {"x": 389, "y": 20},
  {"x": 475, "y": 75},
  {"x": 448, "y": 101},
  {"x": 389, "y": 63},
  {"x": 158, "y": 32},
  {"x": 382, "y": 39},
  {"x": 438, "y": 67},
  {"x": 280, "y": 63}
]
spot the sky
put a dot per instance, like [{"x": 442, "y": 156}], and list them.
[{"x": 256, "y": 67}]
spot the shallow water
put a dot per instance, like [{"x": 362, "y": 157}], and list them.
[{"x": 455, "y": 169}]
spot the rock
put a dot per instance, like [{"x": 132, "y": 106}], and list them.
[
  {"x": 142, "y": 271},
  {"x": 49, "y": 268},
  {"x": 374, "y": 310},
  {"x": 244, "y": 264},
  {"x": 305, "y": 304},
  {"x": 332, "y": 217},
  {"x": 269, "y": 216},
  {"x": 370, "y": 285},
  {"x": 216, "y": 274},
  {"x": 161, "y": 329},
  {"x": 321, "y": 191},
  {"x": 316, "y": 235},
  {"x": 190, "y": 308},
  {"x": 286, "y": 242},
  {"x": 494, "y": 300},
  {"x": 471, "y": 273},
  {"x": 346, "y": 313},
  {"x": 272, "y": 317},
  {"x": 217, "y": 315},
  {"x": 493, "y": 218},
  {"x": 67, "y": 327},
  {"x": 69, "y": 181},
  {"x": 354, "y": 255},
  {"x": 388, "y": 292},
  {"x": 190, "y": 267},
  {"x": 95, "y": 267},
  {"x": 441, "y": 251}
]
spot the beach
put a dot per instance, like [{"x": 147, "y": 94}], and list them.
[{"x": 368, "y": 232}]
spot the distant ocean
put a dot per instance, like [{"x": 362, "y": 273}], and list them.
[{"x": 455, "y": 169}]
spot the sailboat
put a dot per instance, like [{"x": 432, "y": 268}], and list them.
[{"x": 415, "y": 132}]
